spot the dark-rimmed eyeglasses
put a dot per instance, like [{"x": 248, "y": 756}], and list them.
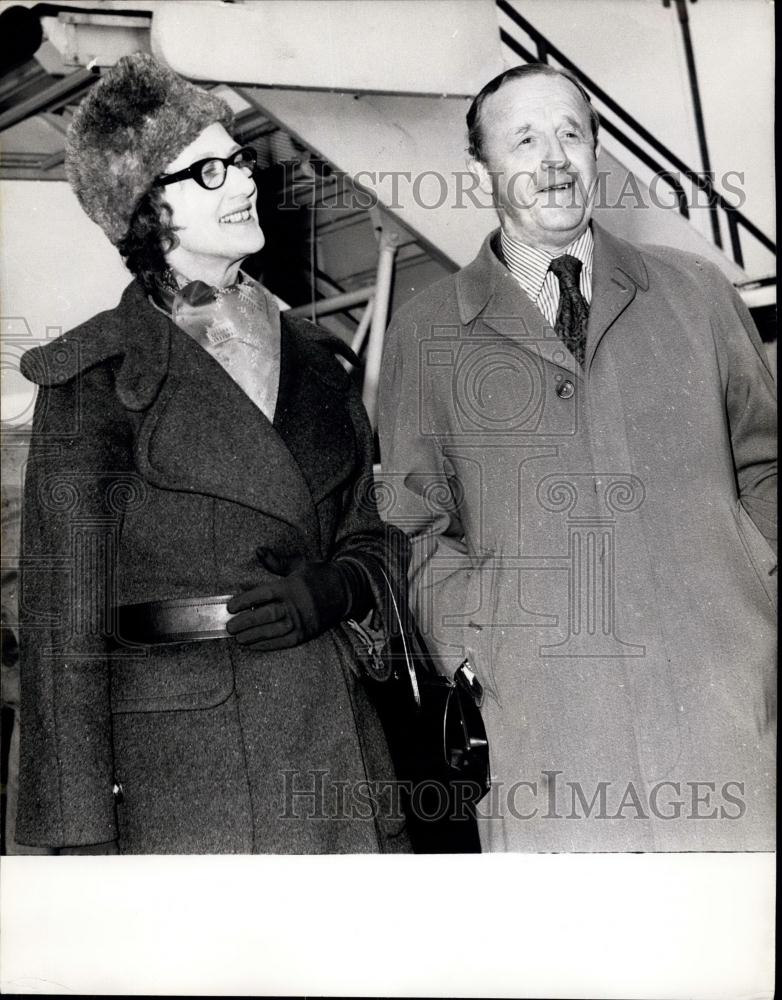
[{"x": 211, "y": 172}]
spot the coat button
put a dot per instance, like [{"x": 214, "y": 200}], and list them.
[
  {"x": 119, "y": 793},
  {"x": 565, "y": 389}
]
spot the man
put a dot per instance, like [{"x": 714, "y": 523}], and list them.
[{"x": 578, "y": 436}]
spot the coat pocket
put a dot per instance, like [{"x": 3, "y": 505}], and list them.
[
  {"x": 187, "y": 675},
  {"x": 759, "y": 552},
  {"x": 481, "y": 613}
]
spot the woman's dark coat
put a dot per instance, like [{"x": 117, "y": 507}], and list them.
[{"x": 152, "y": 476}]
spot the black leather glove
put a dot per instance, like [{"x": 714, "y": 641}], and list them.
[{"x": 303, "y": 600}]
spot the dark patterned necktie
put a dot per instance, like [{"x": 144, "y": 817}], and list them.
[{"x": 573, "y": 312}]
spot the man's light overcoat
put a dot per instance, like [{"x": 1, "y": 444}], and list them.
[{"x": 600, "y": 543}]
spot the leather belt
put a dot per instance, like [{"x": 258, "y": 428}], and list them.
[{"x": 184, "y": 619}]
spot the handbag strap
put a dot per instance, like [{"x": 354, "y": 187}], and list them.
[
  {"x": 414, "y": 649},
  {"x": 404, "y": 639}
]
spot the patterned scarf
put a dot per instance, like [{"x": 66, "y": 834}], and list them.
[{"x": 239, "y": 326}]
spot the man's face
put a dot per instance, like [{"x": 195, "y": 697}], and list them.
[{"x": 540, "y": 160}]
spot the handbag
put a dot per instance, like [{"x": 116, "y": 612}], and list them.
[
  {"x": 435, "y": 733},
  {"x": 449, "y": 727}
]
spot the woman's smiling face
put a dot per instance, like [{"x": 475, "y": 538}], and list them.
[{"x": 216, "y": 228}]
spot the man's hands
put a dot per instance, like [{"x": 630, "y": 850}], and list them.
[{"x": 302, "y": 600}]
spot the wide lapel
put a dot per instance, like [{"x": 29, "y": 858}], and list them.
[
  {"x": 490, "y": 295},
  {"x": 203, "y": 434},
  {"x": 618, "y": 272},
  {"x": 312, "y": 415}
]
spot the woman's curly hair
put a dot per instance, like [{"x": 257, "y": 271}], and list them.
[{"x": 150, "y": 236}]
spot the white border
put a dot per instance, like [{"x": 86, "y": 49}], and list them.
[{"x": 600, "y": 925}]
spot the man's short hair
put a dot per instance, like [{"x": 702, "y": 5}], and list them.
[{"x": 474, "y": 136}]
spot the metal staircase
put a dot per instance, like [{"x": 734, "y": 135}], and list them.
[
  {"x": 364, "y": 194},
  {"x": 638, "y": 146}
]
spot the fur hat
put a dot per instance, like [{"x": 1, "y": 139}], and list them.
[{"x": 133, "y": 122}]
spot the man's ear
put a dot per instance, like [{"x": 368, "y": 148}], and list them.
[{"x": 480, "y": 172}]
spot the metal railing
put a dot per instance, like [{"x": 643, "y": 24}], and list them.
[{"x": 669, "y": 167}]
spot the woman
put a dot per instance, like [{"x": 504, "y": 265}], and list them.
[{"x": 197, "y": 526}]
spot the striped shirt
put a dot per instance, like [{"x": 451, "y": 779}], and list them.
[{"x": 530, "y": 267}]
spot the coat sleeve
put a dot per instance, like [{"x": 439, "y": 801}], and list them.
[
  {"x": 70, "y": 525},
  {"x": 381, "y": 550},
  {"x": 750, "y": 396},
  {"x": 422, "y": 498}
]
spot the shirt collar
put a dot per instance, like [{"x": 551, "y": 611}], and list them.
[{"x": 529, "y": 265}]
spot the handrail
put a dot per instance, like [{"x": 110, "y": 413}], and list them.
[
  {"x": 65, "y": 90},
  {"x": 735, "y": 218}
]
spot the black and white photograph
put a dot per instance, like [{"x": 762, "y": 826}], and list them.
[{"x": 388, "y": 497}]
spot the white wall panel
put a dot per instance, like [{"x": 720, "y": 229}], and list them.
[{"x": 396, "y": 46}]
